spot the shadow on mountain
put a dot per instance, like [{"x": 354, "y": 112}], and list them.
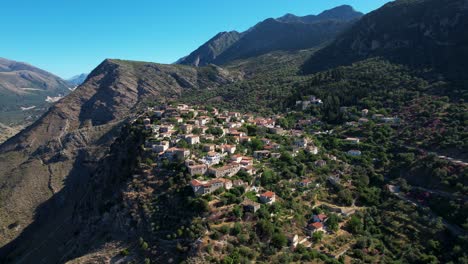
[{"x": 69, "y": 224}]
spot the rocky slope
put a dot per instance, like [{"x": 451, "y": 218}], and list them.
[
  {"x": 45, "y": 169},
  {"x": 287, "y": 33},
  {"x": 423, "y": 34},
  {"x": 209, "y": 51}
]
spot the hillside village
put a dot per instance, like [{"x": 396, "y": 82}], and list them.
[{"x": 232, "y": 161}]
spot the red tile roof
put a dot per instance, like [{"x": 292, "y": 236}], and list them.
[
  {"x": 269, "y": 194},
  {"x": 317, "y": 225}
]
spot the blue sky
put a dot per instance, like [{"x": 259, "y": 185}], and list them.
[{"x": 69, "y": 37}]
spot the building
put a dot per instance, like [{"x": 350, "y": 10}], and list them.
[
  {"x": 158, "y": 113},
  {"x": 277, "y": 131},
  {"x": 268, "y": 197},
  {"x": 355, "y": 153},
  {"x": 320, "y": 163},
  {"x": 197, "y": 169},
  {"x": 161, "y": 147},
  {"x": 320, "y": 218},
  {"x": 363, "y": 120},
  {"x": 212, "y": 158},
  {"x": 176, "y": 154},
  {"x": 275, "y": 155},
  {"x": 236, "y": 158},
  {"x": 231, "y": 149},
  {"x": 250, "y": 206},
  {"x": 261, "y": 154},
  {"x": 209, "y": 147},
  {"x": 225, "y": 171},
  {"x": 334, "y": 179},
  {"x": 192, "y": 139},
  {"x": 352, "y": 140},
  {"x": 146, "y": 121},
  {"x": 187, "y": 128},
  {"x": 200, "y": 188},
  {"x": 205, "y": 187},
  {"x": 166, "y": 128},
  {"x": 304, "y": 183},
  {"x": 301, "y": 142},
  {"x": 315, "y": 227},
  {"x": 182, "y": 107},
  {"x": 239, "y": 183},
  {"x": 312, "y": 149},
  {"x": 249, "y": 169},
  {"x": 246, "y": 161}
]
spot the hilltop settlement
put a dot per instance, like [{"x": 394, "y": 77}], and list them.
[{"x": 244, "y": 186}]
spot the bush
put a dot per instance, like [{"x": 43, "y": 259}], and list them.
[{"x": 279, "y": 240}]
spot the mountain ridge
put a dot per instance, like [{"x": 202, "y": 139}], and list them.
[
  {"x": 282, "y": 34},
  {"x": 425, "y": 33},
  {"x": 61, "y": 149}
]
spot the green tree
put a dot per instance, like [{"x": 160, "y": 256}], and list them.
[
  {"x": 317, "y": 236},
  {"x": 265, "y": 229},
  {"x": 355, "y": 225},
  {"x": 333, "y": 222},
  {"x": 279, "y": 240}
]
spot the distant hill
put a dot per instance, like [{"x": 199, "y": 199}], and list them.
[
  {"x": 287, "y": 33},
  {"x": 24, "y": 90},
  {"x": 423, "y": 34},
  {"x": 77, "y": 79},
  {"x": 21, "y": 78}
]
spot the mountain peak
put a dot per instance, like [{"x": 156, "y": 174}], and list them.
[
  {"x": 344, "y": 12},
  {"x": 289, "y": 32}
]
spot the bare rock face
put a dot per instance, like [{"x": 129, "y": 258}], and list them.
[{"x": 44, "y": 170}]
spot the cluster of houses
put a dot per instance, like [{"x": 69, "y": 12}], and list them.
[
  {"x": 199, "y": 127},
  {"x": 380, "y": 118},
  {"x": 210, "y": 143}
]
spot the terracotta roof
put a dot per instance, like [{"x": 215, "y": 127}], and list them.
[
  {"x": 196, "y": 183},
  {"x": 268, "y": 194},
  {"x": 322, "y": 217},
  {"x": 316, "y": 225}
]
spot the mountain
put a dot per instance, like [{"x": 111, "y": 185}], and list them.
[
  {"x": 77, "y": 79},
  {"x": 25, "y": 92},
  {"x": 287, "y": 33},
  {"x": 209, "y": 51},
  {"x": 45, "y": 170},
  {"x": 69, "y": 189},
  {"x": 421, "y": 34},
  {"x": 344, "y": 12},
  {"x": 21, "y": 79}
]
